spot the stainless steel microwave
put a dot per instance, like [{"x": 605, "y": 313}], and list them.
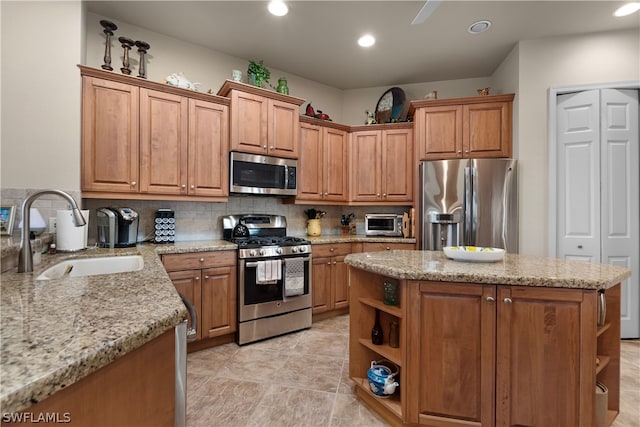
[
  {"x": 383, "y": 225},
  {"x": 256, "y": 174}
]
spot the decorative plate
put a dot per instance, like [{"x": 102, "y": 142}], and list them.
[{"x": 473, "y": 253}]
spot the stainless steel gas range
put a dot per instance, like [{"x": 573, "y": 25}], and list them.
[{"x": 274, "y": 276}]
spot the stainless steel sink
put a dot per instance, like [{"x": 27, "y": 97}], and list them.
[{"x": 93, "y": 267}]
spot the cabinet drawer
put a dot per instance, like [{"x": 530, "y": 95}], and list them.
[
  {"x": 333, "y": 249},
  {"x": 196, "y": 260},
  {"x": 380, "y": 246}
]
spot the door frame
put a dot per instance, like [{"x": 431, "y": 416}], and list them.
[{"x": 553, "y": 146}]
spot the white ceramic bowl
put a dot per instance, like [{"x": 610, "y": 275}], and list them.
[{"x": 473, "y": 253}]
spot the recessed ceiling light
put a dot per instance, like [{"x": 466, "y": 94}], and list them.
[
  {"x": 627, "y": 9},
  {"x": 367, "y": 40},
  {"x": 278, "y": 8},
  {"x": 479, "y": 27}
]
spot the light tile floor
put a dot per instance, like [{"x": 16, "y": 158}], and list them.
[{"x": 301, "y": 379}]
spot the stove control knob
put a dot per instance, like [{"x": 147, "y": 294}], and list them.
[
  {"x": 278, "y": 250},
  {"x": 252, "y": 252},
  {"x": 262, "y": 252},
  {"x": 303, "y": 249},
  {"x": 294, "y": 249}
]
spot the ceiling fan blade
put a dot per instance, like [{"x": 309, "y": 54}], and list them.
[{"x": 429, "y": 7}]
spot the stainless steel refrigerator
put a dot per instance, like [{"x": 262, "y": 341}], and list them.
[{"x": 469, "y": 202}]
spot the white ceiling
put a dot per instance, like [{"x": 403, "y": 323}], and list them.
[{"x": 317, "y": 39}]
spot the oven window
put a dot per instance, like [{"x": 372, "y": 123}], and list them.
[
  {"x": 248, "y": 174},
  {"x": 381, "y": 224},
  {"x": 256, "y": 294}
]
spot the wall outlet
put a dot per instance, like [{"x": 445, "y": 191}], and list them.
[{"x": 52, "y": 225}]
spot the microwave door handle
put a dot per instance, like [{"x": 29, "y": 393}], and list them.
[{"x": 286, "y": 177}]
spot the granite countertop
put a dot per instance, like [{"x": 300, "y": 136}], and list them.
[
  {"x": 56, "y": 332},
  {"x": 519, "y": 270}
]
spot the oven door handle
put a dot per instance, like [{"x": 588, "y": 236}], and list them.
[{"x": 255, "y": 264}]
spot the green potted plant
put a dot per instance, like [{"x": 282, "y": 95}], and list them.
[{"x": 258, "y": 73}]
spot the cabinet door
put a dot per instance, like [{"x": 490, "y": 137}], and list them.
[
  {"x": 208, "y": 149},
  {"x": 248, "y": 123},
  {"x": 163, "y": 143},
  {"x": 110, "y": 136},
  {"x": 340, "y": 278},
  {"x": 487, "y": 129},
  {"x": 218, "y": 301},
  {"x": 366, "y": 166},
  {"x": 380, "y": 246},
  {"x": 397, "y": 165},
  {"x": 336, "y": 161},
  {"x": 188, "y": 284},
  {"x": 453, "y": 332},
  {"x": 321, "y": 285},
  {"x": 283, "y": 129},
  {"x": 546, "y": 338},
  {"x": 310, "y": 164},
  {"x": 439, "y": 132}
]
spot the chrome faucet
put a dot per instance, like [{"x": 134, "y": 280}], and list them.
[{"x": 25, "y": 257}]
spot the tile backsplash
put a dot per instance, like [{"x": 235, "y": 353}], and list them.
[{"x": 199, "y": 220}]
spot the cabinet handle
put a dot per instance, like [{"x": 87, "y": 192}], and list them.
[
  {"x": 326, "y": 194},
  {"x": 378, "y": 195},
  {"x": 272, "y": 147},
  {"x": 184, "y": 186},
  {"x": 459, "y": 151},
  {"x": 133, "y": 183},
  {"x": 466, "y": 151},
  {"x": 264, "y": 146},
  {"x": 334, "y": 262},
  {"x": 384, "y": 194},
  {"x": 332, "y": 249},
  {"x": 329, "y": 263},
  {"x": 197, "y": 277},
  {"x": 206, "y": 277},
  {"x": 193, "y": 187},
  {"x": 490, "y": 299},
  {"x": 508, "y": 300},
  {"x": 388, "y": 248},
  {"x": 201, "y": 259}
]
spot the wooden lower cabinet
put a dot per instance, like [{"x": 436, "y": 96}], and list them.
[
  {"x": 330, "y": 286},
  {"x": 488, "y": 355},
  {"x": 210, "y": 288}
]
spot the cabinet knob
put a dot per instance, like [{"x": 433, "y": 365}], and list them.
[
  {"x": 201, "y": 259},
  {"x": 326, "y": 194},
  {"x": 264, "y": 146},
  {"x": 133, "y": 183},
  {"x": 490, "y": 299},
  {"x": 459, "y": 151},
  {"x": 206, "y": 277},
  {"x": 466, "y": 151},
  {"x": 329, "y": 263},
  {"x": 272, "y": 147},
  {"x": 197, "y": 277},
  {"x": 334, "y": 263},
  {"x": 184, "y": 186},
  {"x": 332, "y": 249},
  {"x": 508, "y": 300},
  {"x": 193, "y": 187},
  {"x": 378, "y": 195},
  {"x": 388, "y": 248},
  {"x": 384, "y": 194},
  {"x": 579, "y": 246}
]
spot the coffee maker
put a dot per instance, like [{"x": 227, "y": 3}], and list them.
[{"x": 117, "y": 227}]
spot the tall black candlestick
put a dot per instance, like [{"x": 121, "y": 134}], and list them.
[
  {"x": 143, "y": 47},
  {"x": 109, "y": 28}
]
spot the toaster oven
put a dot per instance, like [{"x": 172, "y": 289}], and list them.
[{"x": 383, "y": 225}]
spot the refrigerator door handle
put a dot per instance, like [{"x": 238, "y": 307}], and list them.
[{"x": 468, "y": 232}]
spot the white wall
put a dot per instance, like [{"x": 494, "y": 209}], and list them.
[
  {"x": 41, "y": 46},
  {"x": 561, "y": 61},
  {"x": 168, "y": 55}
]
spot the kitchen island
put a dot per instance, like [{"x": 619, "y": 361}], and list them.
[{"x": 515, "y": 342}]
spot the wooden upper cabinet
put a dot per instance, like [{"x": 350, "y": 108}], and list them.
[
  {"x": 263, "y": 121},
  {"x": 163, "y": 142},
  {"x": 208, "y": 173},
  {"x": 478, "y": 127},
  {"x": 146, "y": 140},
  {"x": 110, "y": 136},
  {"x": 382, "y": 165},
  {"x": 323, "y": 173}
]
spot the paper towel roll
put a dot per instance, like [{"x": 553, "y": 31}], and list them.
[{"x": 69, "y": 237}]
